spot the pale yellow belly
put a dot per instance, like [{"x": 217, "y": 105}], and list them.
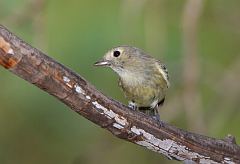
[{"x": 143, "y": 96}]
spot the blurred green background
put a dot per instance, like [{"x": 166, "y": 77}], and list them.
[{"x": 198, "y": 40}]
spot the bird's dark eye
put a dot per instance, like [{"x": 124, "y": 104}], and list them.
[{"x": 116, "y": 53}]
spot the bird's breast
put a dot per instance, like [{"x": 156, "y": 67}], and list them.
[
  {"x": 142, "y": 92},
  {"x": 131, "y": 79}
]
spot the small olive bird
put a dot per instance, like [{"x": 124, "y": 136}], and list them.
[{"x": 143, "y": 79}]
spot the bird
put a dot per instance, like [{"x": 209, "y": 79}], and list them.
[{"x": 143, "y": 79}]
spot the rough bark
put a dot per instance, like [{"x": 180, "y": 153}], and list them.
[{"x": 35, "y": 67}]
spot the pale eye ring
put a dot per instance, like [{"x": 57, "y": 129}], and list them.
[{"x": 116, "y": 53}]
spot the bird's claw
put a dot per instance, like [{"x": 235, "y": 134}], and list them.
[
  {"x": 157, "y": 118},
  {"x": 132, "y": 105}
]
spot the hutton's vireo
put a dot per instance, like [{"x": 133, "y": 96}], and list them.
[{"x": 143, "y": 79}]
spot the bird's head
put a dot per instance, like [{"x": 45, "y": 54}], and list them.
[{"x": 123, "y": 59}]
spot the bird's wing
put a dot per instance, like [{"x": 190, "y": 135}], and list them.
[{"x": 163, "y": 70}]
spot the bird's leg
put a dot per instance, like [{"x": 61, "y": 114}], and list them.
[
  {"x": 152, "y": 112},
  {"x": 132, "y": 105},
  {"x": 156, "y": 114},
  {"x": 155, "y": 109}
]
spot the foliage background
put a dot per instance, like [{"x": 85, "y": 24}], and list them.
[{"x": 204, "y": 95}]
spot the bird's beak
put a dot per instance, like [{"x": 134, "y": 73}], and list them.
[{"x": 102, "y": 62}]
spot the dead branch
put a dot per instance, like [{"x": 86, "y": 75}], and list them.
[{"x": 35, "y": 67}]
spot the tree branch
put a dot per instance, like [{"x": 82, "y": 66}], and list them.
[{"x": 35, "y": 67}]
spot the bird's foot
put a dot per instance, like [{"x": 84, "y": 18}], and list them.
[
  {"x": 132, "y": 105},
  {"x": 157, "y": 118}
]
